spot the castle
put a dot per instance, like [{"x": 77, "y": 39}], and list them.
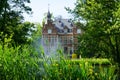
[{"x": 61, "y": 32}]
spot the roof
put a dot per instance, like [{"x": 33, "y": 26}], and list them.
[{"x": 61, "y": 23}]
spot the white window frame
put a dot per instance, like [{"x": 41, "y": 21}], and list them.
[
  {"x": 78, "y": 30},
  {"x": 49, "y": 31},
  {"x": 65, "y": 30}
]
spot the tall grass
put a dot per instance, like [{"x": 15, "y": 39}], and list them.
[
  {"x": 18, "y": 63},
  {"x": 63, "y": 69},
  {"x": 24, "y": 63}
]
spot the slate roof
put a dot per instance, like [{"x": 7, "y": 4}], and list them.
[{"x": 61, "y": 23}]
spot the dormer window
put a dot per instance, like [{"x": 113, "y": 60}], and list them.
[
  {"x": 59, "y": 21},
  {"x": 78, "y": 30},
  {"x": 49, "y": 31},
  {"x": 62, "y": 24},
  {"x": 68, "y": 20},
  {"x": 71, "y": 25}
]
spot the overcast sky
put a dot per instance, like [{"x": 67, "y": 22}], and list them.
[{"x": 40, "y": 7}]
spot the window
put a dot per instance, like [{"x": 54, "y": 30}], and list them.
[
  {"x": 65, "y": 50},
  {"x": 52, "y": 40},
  {"x": 65, "y": 40},
  {"x": 49, "y": 31},
  {"x": 78, "y": 31},
  {"x": 69, "y": 30},
  {"x": 71, "y": 40},
  {"x": 71, "y": 25},
  {"x": 62, "y": 24},
  {"x": 65, "y": 30},
  {"x": 60, "y": 39},
  {"x": 59, "y": 21}
]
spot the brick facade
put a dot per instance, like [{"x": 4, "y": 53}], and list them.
[{"x": 60, "y": 32}]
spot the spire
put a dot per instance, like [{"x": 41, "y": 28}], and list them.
[{"x": 48, "y": 14}]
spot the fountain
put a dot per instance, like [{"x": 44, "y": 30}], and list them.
[{"x": 50, "y": 46}]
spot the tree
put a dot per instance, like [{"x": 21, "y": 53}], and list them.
[
  {"x": 102, "y": 30},
  {"x": 11, "y": 17},
  {"x": 37, "y": 33},
  {"x": 22, "y": 33}
]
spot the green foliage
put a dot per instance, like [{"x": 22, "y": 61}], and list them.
[
  {"x": 23, "y": 63},
  {"x": 24, "y": 31},
  {"x": 35, "y": 38},
  {"x": 11, "y": 19},
  {"x": 101, "y": 31},
  {"x": 18, "y": 63},
  {"x": 37, "y": 33},
  {"x": 78, "y": 70}
]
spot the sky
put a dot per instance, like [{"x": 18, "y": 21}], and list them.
[{"x": 57, "y": 7}]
